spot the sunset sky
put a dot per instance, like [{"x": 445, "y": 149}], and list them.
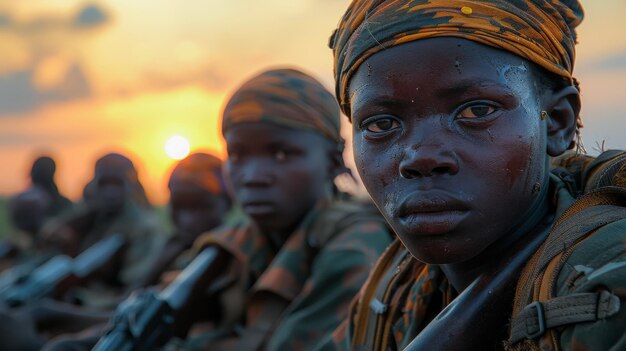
[{"x": 80, "y": 79}]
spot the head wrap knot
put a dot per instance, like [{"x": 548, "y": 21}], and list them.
[
  {"x": 285, "y": 97},
  {"x": 541, "y": 31}
]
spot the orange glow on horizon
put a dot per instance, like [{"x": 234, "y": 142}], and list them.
[{"x": 136, "y": 78}]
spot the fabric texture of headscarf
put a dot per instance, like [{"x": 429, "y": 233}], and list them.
[
  {"x": 285, "y": 97},
  {"x": 201, "y": 170},
  {"x": 541, "y": 31}
]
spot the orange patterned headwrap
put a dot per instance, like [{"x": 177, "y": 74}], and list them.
[
  {"x": 285, "y": 97},
  {"x": 201, "y": 170},
  {"x": 541, "y": 31}
]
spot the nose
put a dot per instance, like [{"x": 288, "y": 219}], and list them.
[
  {"x": 428, "y": 158},
  {"x": 256, "y": 173}
]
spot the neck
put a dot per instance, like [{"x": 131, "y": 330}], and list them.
[{"x": 537, "y": 221}]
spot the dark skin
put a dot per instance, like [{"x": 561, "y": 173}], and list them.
[
  {"x": 449, "y": 143},
  {"x": 278, "y": 174},
  {"x": 110, "y": 195},
  {"x": 194, "y": 211}
]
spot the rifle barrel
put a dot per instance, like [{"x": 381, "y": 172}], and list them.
[{"x": 177, "y": 293}]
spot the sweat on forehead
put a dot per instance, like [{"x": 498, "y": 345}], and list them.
[
  {"x": 285, "y": 97},
  {"x": 542, "y": 32}
]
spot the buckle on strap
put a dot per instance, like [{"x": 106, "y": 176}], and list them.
[
  {"x": 540, "y": 326},
  {"x": 378, "y": 307}
]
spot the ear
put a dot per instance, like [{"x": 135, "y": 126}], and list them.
[{"x": 563, "y": 109}]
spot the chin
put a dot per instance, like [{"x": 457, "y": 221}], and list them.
[{"x": 439, "y": 253}]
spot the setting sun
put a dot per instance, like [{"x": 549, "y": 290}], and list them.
[{"x": 177, "y": 147}]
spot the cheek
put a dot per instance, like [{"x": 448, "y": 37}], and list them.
[
  {"x": 526, "y": 167},
  {"x": 303, "y": 178},
  {"x": 518, "y": 162},
  {"x": 378, "y": 168}
]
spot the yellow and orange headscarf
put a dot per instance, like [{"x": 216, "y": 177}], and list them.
[
  {"x": 285, "y": 97},
  {"x": 201, "y": 170},
  {"x": 541, "y": 31}
]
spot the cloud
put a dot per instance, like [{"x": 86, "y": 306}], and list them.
[
  {"x": 20, "y": 95},
  {"x": 36, "y": 41},
  {"x": 5, "y": 20},
  {"x": 90, "y": 16},
  {"x": 30, "y": 139},
  {"x": 86, "y": 17}
]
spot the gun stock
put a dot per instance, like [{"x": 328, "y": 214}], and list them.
[{"x": 148, "y": 321}]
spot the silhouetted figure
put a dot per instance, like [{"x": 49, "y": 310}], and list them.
[{"x": 42, "y": 175}]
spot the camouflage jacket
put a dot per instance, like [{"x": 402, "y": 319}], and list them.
[
  {"x": 144, "y": 240},
  {"x": 304, "y": 287},
  {"x": 415, "y": 293}
]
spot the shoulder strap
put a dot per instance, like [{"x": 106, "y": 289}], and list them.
[
  {"x": 373, "y": 308},
  {"x": 532, "y": 317},
  {"x": 608, "y": 169}
]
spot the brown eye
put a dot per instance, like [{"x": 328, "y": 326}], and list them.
[
  {"x": 476, "y": 111},
  {"x": 382, "y": 125}
]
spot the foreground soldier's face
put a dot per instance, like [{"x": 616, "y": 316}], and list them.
[
  {"x": 449, "y": 143},
  {"x": 277, "y": 173}
]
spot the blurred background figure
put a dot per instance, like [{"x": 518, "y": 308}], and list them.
[
  {"x": 42, "y": 176},
  {"x": 198, "y": 203},
  {"x": 115, "y": 203},
  {"x": 28, "y": 211}
]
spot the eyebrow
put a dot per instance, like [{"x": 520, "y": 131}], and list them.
[
  {"x": 470, "y": 85},
  {"x": 384, "y": 101}
]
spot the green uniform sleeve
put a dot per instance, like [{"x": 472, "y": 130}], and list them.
[{"x": 337, "y": 274}]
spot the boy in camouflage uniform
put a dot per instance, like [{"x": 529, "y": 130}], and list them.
[
  {"x": 457, "y": 108},
  {"x": 302, "y": 254}
]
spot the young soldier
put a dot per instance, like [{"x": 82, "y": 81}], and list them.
[
  {"x": 457, "y": 108},
  {"x": 301, "y": 257},
  {"x": 198, "y": 203},
  {"x": 118, "y": 206}
]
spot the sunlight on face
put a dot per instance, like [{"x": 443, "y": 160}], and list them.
[{"x": 177, "y": 147}]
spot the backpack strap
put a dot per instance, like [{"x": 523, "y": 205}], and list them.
[
  {"x": 608, "y": 169},
  {"x": 537, "y": 317},
  {"x": 535, "y": 310},
  {"x": 375, "y": 310}
]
